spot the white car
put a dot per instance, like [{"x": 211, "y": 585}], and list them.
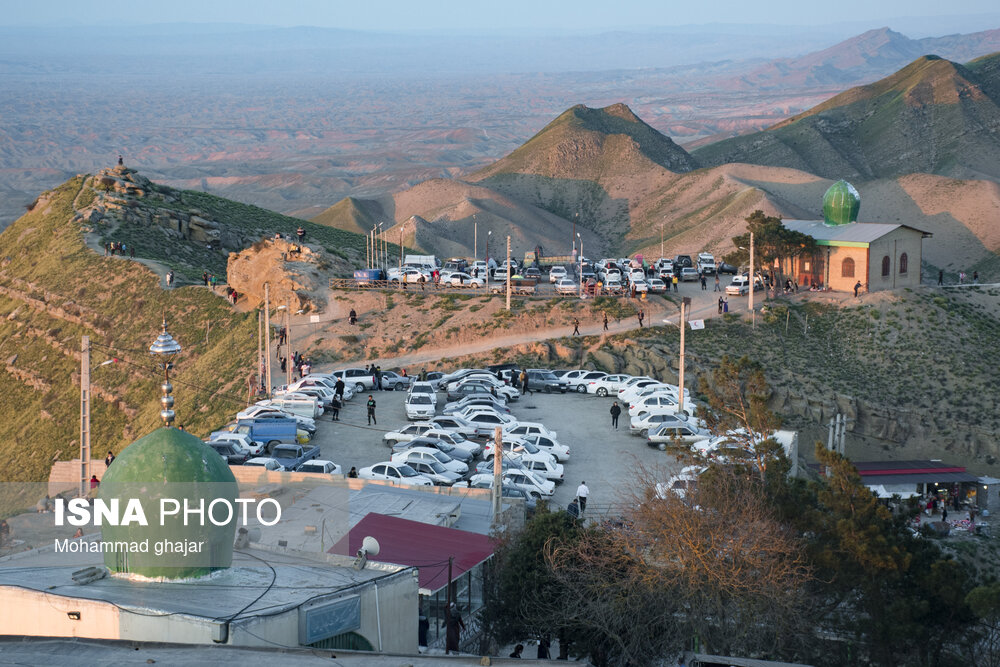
[
  {"x": 258, "y": 410},
  {"x": 532, "y": 484},
  {"x": 320, "y": 466},
  {"x": 645, "y": 423},
  {"x": 657, "y": 286},
  {"x": 682, "y": 483},
  {"x": 454, "y": 439},
  {"x": 628, "y": 394},
  {"x": 459, "y": 279},
  {"x": 550, "y": 445},
  {"x": 541, "y": 466},
  {"x": 425, "y": 388},
  {"x": 566, "y": 286},
  {"x": 607, "y": 385},
  {"x": 407, "y": 433},
  {"x": 579, "y": 380},
  {"x": 419, "y": 406},
  {"x": 456, "y": 424},
  {"x": 529, "y": 428},
  {"x": 484, "y": 421},
  {"x": 397, "y": 473},
  {"x": 265, "y": 462},
  {"x": 741, "y": 285},
  {"x": 640, "y": 286},
  {"x": 430, "y": 454},
  {"x": 655, "y": 402},
  {"x": 359, "y": 378},
  {"x": 515, "y": 447},
  {"x": 557, "y": 273},
  {"x": 675, "y": 429}
]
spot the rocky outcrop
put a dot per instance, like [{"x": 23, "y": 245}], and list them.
[{"x": 297, "y": 275}]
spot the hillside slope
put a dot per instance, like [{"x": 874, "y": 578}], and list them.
[
  {"x": 53, "y": 290},
  {"x": 932, "y": 116}
]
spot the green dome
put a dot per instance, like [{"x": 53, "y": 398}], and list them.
[
  {"x": 171, "y": 464},
  {"x": 841, "y": 204}
]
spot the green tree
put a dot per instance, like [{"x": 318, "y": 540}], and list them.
[{"x": 772, "y": 242}]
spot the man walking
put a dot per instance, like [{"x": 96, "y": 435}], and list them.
[
  {"x": 582, "y": 492},
  {"x": 641, "y": 315},
  {"x": 576, "y": 327},
  {"x": 371, "y": 410},
  {"x": 605, "y": 321},
  {"x": 616, "y": 410}
]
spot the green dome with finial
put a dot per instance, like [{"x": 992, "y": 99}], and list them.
[
  {"x": 841, "y": 204},
  {"x": 175, "y": 465}
]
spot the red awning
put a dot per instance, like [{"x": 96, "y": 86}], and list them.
[{"x": 425, "y": 546}]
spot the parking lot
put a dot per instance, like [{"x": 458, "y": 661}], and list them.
[{"x": 605, "y": 459}]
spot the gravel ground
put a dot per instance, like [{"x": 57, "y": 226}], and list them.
[{"x": 599, "y": 455}]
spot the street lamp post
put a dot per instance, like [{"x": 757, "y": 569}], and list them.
[
  {"x": 475, "y": 237},
  {"x": 288, "y": 342},
  {"x": 753, "y": 284},
  {"x": 488, "y": 235},
  {"x": 575, "y": 235}
]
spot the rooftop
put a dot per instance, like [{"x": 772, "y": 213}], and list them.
[{"x": 853, "y": 233}]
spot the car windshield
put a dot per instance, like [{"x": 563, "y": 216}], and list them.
[
  {"x": 437, "y": 467},
  {"x": 310, "y": 467},
  {"x": 406, "y": 471},
  {"x": 546, "y": 375},
  {"x": 420, "y": 399},
  {"x": 442, "y": 457}
]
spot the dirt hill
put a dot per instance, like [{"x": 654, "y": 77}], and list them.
[
  {"x": 53, "y": 290},
  {"x": 932, "y": 116}
]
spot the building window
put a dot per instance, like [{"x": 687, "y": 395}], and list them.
[
  {"x": 903, "y": 260},
  {"x": 847, "y": 268},
  {"x": 885, "y": 266}
]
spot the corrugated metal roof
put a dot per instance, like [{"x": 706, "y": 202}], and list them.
[
  {"x": 711, "y": 660},
  {"x": 855, "y": 232},
  {"x": 921, "y": 478},
  {"x": 421, "y": 545}
]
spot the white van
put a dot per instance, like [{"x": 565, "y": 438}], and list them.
[{"x": 303, "y": 406}]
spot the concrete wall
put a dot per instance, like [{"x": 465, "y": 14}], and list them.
[
  {"x": 894, "y": 245},
  {"x": 840, "y": 283},
  {"x": 25, "y": 612}
]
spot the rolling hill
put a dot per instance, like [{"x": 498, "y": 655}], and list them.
[{"x": 933, "y": 116}]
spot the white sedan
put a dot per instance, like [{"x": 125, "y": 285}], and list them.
[
  {"x": 550, "y": 445},
  {"x": 528, "y": 428},
  {"x": 567, "y": 286},
  {"x": 646, "y": 423},
  {"x": 265, "y": 462},
  {"x": 607, "y": 385},
  {"x": 463, "y": 280},
  {"x": 407, "y": 433},
  {"x": 557, "y": 273},
  {"x": 430, "y": 454},
  {"x": 320, "y": 466},
  {"x": 397, "y": 473},
  {"x": 540, "y": 465},
  {"x": 534, "y": 485}
]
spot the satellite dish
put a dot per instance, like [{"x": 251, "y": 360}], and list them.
[{"x": 370, "y": 546}]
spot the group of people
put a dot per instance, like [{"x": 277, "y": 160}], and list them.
[
  {"x": 209, "y": 279},
  {"x": 113, "y": 248},
  {"x": 961, "y": 277},
  {"x": 723, "y": 305}
]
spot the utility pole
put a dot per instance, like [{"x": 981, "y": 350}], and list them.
[
  {"x": 508, "y": 274},
  {"x": 685, "y": 302},
  {"x": 576, "y": 216},
  {"x": 581, "y": 265},
  {"x": 497, "y": 474},
  {"x": 401, "y": 246},
  {"x": 488, "y": 235},
  {"x": 753, "y": 284},
  {"x": 267, "y": 336},
  {"x": 475, "y": 238},
  {"x": 288, "y": 344},
  {"x": 85, "y": 416},
  {"x": 260, "y": 354},
  {"x": 661, "y": 237}
]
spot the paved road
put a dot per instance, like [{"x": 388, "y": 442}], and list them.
[{"x": 605, "y": 459}]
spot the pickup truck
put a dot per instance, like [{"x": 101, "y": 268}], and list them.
[
  {"x": 272, "y": 432},
  {"x": 290, "y": 457}
]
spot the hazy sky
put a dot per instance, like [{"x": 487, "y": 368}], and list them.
[{"x": 478, "y": 14}]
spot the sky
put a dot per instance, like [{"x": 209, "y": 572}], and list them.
[{"x": 451, "y": 15}]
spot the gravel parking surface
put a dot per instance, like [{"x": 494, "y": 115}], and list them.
[{"x": 604, "y": 458}]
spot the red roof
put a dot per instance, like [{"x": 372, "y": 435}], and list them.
[{"x": 425, "y": 546}]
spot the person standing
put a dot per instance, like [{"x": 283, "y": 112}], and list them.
[
  {"x": 961, "y": 277},
  {"x": 338, "y": 389},
  {"x": 353, "y": 317},
  {"x": 857, "y": 286},
  {"x": 573, "y": 509},
  {"x": 616, "y": 411},
  {"x": 109, "y": 459},
  {"x": 641, "y": 316},
  {"x": 204, "y": 278},
  {"x": 576, "y": 327},
  {"x": 941, "y": 277},
  {"x": 725, "y": 305},
  {"x": 544, "y": 644},
  {"x": 605, "y": 321},
  {"x": 525, "y": 389},
  {"x": 378, "y": 377},
  {"x": 371, "y": 410},
  {"x": 582, "y": 493},
  {"x": 720, "y": 305},
  {"x": 704, "y": 283},
  {"x": 170, "y": 279},
  {"x": 335, "y": 406},
  {"x": 975, "y": 277},
  {"x": 718, "y": 288},
  {"x": 674, "y": 281},
  {"x": 455, "y": 626}
]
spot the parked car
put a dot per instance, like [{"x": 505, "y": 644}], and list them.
[
  {"x": 456, "y": 424},
  {"x": 487, "y": 421},
  {"x": 556, "y": 274},
  {"x": 607, "y": 385},
  {"x": 359, "y": 378},
  {"x": 425, "y": 388},
  {"x": 431, "y": 454},
  {"x": 267, "y": 412},
  {"x": 657, "y": 286},
  {"x": 689, "y": 274},
  {"x": 577, "y": 380},
  {"x": 465, "y": 452},
  {"x": 407, "y": 433},
  {"x": 645, "y": 423},
  {"x": 675, "y": 429},
  {"x": 506, "y": 491},
  {"x": 464, "y": 389},
  {"x": 395, "y": 381},
  {"x": 566, "y": 286},
  {"x": 241, "y": 440},
  {"x": 397, "y": 473},
  {"x": 613, "y": 286},
  {"x": 640, "y": 286},
  {"x": 741, "y": 285},
  {"x": 233, "y": 453},
  {"x": 290, "y": 457},
  {"x": 722, "y": 267},
  {"x": 320, "y": 466},
  {"x": 550, "y": 445},
  {"x": 526, "y": 480},
  {"x": 514, "y": 447},
  {"x": 528, "y": 428},
  {"x": 682, "y": 261},
  {"x": 265, "y": 462},
  {"x": 541, "y": 465},
  {"x": 460, "y": 279},
  {"x": 682, "y": 484},
  {"x": 540, "y": 379},
  {"x": 419, "y": 406}
]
